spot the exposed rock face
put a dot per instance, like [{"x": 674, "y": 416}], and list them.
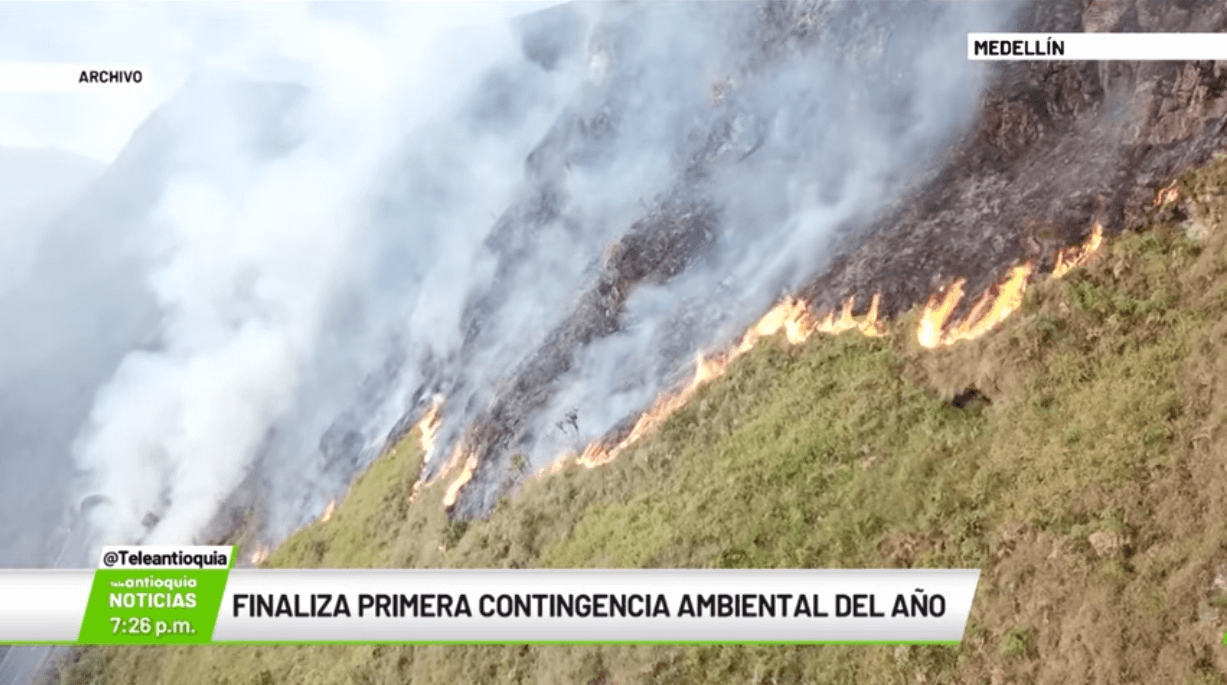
[
  {"x": 1100, "y": 16},
  {"x": 1057, "y": 148},
  {"x": 677, "y": 229}
]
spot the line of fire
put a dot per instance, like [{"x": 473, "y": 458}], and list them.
[{"x": 796, "y": 320}]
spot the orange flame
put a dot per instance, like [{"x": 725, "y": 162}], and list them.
[
  {"x": 428, "y": 425},
  {"x": 1167, "y": 195},
  {"x": 1080, "y": 255},
  {"x": 428, "y": 431},
  {"x": 453, "y": 490},
  {"x": 792, "y": 316},
  {"x": 796, "y": 319},
  {"x": 328, "y": 511},
  {"x": 993, "y": 307},
  {"x": 258, "y": 556},
  {"x": 999, "y": 302},
  {"x": 936, "y": 311},
  {"x": 868, "y": 325}
]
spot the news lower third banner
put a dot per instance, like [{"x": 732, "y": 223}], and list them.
[
  {"x": 1097, "y": 46},
  {"x": 193, "y": 595}
]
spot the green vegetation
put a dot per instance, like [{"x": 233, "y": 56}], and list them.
[
  {"x": 1089, "y": 490},
  {"x": 1016, "y": 641}
]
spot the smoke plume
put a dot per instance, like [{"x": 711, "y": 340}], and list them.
[{"x": 538, "y": 215}]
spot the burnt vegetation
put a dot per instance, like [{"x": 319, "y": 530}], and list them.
[
  {"x": 1088, "y": 491},
  {"x": 1056, "y": 148},
  {"x": 1073, "y": 454}
]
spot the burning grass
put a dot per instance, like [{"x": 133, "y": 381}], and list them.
[
  {"x": 797, "y": 321},
  {"x": 428, "y": 425},
  {"x": 793, "y": 318},
  {"x": 1090, "y": 491}
]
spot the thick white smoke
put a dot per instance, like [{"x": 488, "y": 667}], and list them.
[
  {"x": 346, "y": 208},
  {"x": 801, "y": 145},
  {"x": 253, "y": 248}
]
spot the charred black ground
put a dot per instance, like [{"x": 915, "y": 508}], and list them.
[
  {"x": 1053, "y": 149},
  {"x": 1057, "y": 147}
]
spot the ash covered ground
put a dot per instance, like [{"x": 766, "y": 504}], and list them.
[{"x": 1052, "y": 149}]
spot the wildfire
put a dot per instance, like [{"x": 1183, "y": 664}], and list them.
[
  {"x": 792, "y": 316},
  {"x": 868, "y": 325},
  {"x": 258, "y": 556},
  {"x": 453, "y": 490},
  {"x": 328, "y": 511},
  {"x": 428, "y": 430},
  {"x": 795, "y": 318},
  {"x": 937, "y": 310},
  {"x": 996, "y": 305},
  {"x": 599, "y": 453},
  {"x": 797, "y": 321},
  {"x": 1167, "y": 195},
  {"x": 1081, "y": 255},
  {"x": 993, "y": 307},
  {"x": 428, "y": 425}
]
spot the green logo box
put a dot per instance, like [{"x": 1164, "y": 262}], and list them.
[{"x": 153, "y": 606}]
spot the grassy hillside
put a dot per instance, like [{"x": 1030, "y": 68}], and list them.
[{"x": 1089, "y": 487}]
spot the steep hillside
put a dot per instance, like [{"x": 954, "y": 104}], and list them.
[
  {"x": 1083, "y": 476},
  {"x": 1052, "y": 149}
]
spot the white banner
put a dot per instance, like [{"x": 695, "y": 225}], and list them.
[
  {"x": 597, "y": 606},
  {"x": 43, "y": 605},
  {"x": 37, "y": 77},
  {"x": 521, "y": 606},
  {"x": 1097, "y": 46}
]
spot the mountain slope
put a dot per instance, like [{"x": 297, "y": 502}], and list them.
[
  {"x": 1052, "y": 149},
  {"x": 1082, "y": 478}
]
